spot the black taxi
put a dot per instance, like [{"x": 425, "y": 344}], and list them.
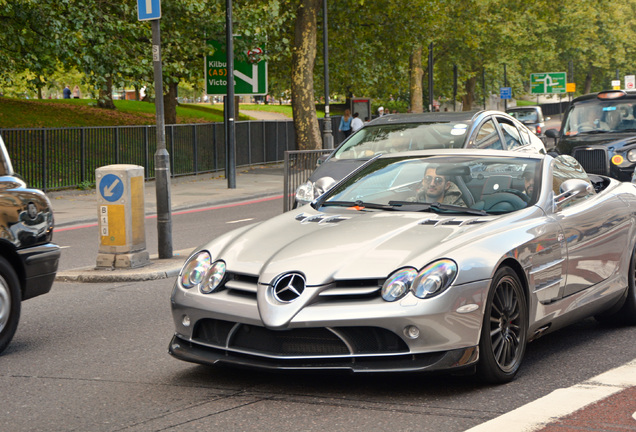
[{"x": 28, "y": 258}]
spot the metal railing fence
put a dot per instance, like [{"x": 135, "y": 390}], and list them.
[
  {"x": 60, "y": 158},
  {"x": 298, "y": 166}
]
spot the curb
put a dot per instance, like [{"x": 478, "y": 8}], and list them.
[{"x": 157, "y": 269}]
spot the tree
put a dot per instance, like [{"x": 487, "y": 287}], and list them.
[{"x": 302, "y": 76}]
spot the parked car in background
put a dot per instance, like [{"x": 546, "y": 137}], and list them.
[
  {"x": 599, "y": 130},
  {"x": 404, "y": 132},
  {"x": 28, "y": 259},
  {"x": 531, "y": 116},
  {"x": 374, "y": 276}
]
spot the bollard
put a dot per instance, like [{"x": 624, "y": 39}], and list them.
[{"x": 121, "y": 214}]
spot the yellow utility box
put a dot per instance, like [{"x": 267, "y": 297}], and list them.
[{"x": 121, "y": 214}]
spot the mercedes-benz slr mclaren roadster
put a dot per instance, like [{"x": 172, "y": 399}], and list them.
[{"x": 422, "y": 261}]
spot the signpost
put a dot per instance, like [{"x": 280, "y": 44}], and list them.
[
  {"x": 151, "y": 10},
  {"x": 148, "y": 10},
  {"x": 548, "y": 83},
  {"x": 630, "y": 82},
  {"x": 250, "y": 76},
  {"x": 505, "y": 92}
]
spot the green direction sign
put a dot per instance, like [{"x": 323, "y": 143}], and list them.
[
  {"x": 250, "y": 77},
  {"x": 548, "y": 82}
]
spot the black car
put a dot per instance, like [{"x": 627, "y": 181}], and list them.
[
  {"x": 599, "y": 130},
  {"x": 28, "y": 259},
  {"x": 405, "y": 132}
]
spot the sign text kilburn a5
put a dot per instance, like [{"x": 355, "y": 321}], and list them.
[{"x": 250, "y": 76}]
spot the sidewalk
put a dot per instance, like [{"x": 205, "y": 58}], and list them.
[{"x": 74, "y": 207}]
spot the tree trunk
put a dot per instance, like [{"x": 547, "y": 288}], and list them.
[
  {"x": 469, "y": 98},
  {"x": 588, "y": 80},
  {"x": 302, "y": 76},
  {"x": 170, "y": 104},
  {"x": 105, "y": 99},
  {"x": 415, "y": 65}
]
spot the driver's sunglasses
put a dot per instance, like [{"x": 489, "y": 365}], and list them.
[{"x": 438, "y": 180}]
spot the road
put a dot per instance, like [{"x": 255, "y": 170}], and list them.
[{"x": 93, "y": 357}]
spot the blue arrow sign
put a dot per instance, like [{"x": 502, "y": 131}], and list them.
[
  {"x": 111, "y": 187},
  {"x": 505, "y": 92},
  {"x": 148, "y": 9}
]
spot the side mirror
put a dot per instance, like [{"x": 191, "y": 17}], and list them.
[
  {"x": 552, "y": 133},
  {"x": 323, "y": 184},
  {"x": 570, "y": 189}
]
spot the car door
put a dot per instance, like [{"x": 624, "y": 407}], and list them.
[{"x": 595, "y": 229}]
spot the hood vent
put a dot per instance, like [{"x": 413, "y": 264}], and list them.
[
  {"x": 319, "y": 218},
  {"x": 451, "y": 221}
]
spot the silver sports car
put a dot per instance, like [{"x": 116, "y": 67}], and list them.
[{"x": 418, "y": 261}]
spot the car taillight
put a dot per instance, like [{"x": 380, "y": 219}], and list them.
[{"x": 538, "y": 130}]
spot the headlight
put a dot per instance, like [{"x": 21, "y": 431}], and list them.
[
  {"x": 213, "y": 277},
  {"x": 194, "y": 270},
  {"x": 398, "y": 284},
  {"x": 434, "y": 278},
  {"x": 631, "y": 155},
  {"x": 305, "y": 192}
]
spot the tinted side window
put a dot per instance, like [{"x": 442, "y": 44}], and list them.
[{"x": 487, "y": 137}]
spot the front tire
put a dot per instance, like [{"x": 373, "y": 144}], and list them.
[
  {"x": 10, "y": 302},
  {"x": 504, "y": 330}
]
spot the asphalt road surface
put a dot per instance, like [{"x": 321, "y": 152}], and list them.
[{"x": 93, "y": 357}]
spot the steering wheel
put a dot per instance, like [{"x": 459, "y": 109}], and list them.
[
  {"x": 517, "y": 192},
  {"x": 503, "y": 202}
]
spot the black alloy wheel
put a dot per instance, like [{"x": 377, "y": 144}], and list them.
[{"x": 505, "y": 329}]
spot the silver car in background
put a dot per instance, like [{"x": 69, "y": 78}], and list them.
[{"x": 374, "y": 277}]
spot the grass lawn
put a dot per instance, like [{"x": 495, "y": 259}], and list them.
[{"x": 51, "y": 113}]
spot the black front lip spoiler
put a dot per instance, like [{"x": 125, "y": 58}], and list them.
[{"x": 439, "y": 361}]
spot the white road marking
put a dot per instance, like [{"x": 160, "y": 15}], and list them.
[
  {"x": 561, "y": 402},
  {"x": 239, "y": 221}
]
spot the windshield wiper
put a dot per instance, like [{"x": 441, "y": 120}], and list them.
[
  {"x": 360, "y": 204},
  {"x": 593, "y": 132},
  {"x": 436, "y": 207}
]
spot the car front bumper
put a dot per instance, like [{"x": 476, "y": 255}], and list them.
[
  {"x": 365, "y": 335},
  {"x": 40, "y": 265}
]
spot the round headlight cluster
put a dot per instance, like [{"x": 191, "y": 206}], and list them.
[
  {"x": 631, "y": 155},
  {"x": 305, "y": 192},
  {"x": 201, "y": 272},
  {"x": 428, "y": 282}
]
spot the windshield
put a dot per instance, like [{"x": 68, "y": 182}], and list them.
[
  {"x": 598, "y": 116},
  {"x": 402, "y": 137},
  {"x": 457, "y": 184},
  {"x": 525, "y": 115}
]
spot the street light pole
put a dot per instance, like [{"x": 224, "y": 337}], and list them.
[
  {"x": 230, "y": 169},
  {"x": 327, "y": 136},
  {"x": 162, "y": 159}
]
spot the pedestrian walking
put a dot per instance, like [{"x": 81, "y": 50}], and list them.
[
  {"x": 66, "y": 92},
  {"x": 345, "y": 123},
  {"x": 356, "y": 123},
  {"x": 76, "y": 92}
]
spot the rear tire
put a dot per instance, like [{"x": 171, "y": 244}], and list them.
[
  {"x": 10, "y": 303},
  {"x": 626, "y": 314},
  {"x": 504, "y": 330}
]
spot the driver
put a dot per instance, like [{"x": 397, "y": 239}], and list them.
[{"x": 437, "y": 188}]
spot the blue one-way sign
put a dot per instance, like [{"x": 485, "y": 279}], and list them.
[
  {"x": 111, "y": 188},
  {"x": 148, "y": 9}
]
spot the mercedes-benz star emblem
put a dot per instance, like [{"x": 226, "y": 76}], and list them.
[{"x": 289, "y": 287}]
